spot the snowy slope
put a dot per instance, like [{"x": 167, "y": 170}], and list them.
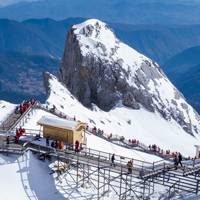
[
  {"x": 5, "y": 109},
  {"x": 25, "y": 177},
  {"x": 145, "y": 126}
]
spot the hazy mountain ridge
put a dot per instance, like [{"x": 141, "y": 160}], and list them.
[
  {"x": 156, "y": 12},
  {"x": 21, "y": 75},
  {"x": 184, "y": 72},
  {"x": 47, "y": 37}
]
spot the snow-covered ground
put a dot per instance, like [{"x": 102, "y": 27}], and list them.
[{"x": 5, "y": 109}]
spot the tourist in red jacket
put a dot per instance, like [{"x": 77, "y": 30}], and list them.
[
  {"x": 76, "y": 146},
  {"x": 21, "y": 110}
]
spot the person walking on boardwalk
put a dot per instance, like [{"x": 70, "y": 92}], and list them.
[
  {"x": 47, "y": 141},
  {"x": 175, "y": 161},
  {"x": 56, "y": 144},
  {"x": 16, "y": 139},
  {"x": 76, "y": 146},
  {"x": 113, "y": 160},
  {"x": 53, "y": 144},
  {"x": 61, "y": 145},
  {"x": 8, "y": 141},
  {"x": 129, "y": 165},
  {"x": 180, "y": 158}
]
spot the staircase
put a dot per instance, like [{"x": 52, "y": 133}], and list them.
[
  {"x": 8, "y": 120},
  {"x": 11, "y": 122}
]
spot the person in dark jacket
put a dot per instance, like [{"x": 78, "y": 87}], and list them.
[
  {"x": 53, "y": 144},
  {"x": 113, "y": 160},
  {"x": 179, "y": 158},
  {"x": 16, "y": 139},
  {"x": 8, "y": 141},
  {"x": 175, "y": 161},
  {"x": 47, "y": 141}
]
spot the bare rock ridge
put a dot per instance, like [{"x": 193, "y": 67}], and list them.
[{"x": 98, "y": 68}]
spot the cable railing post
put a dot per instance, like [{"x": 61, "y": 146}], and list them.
[
  {"x": 183, "y": 170},
  {"x": 121, "y": 183},
  {"x": 88, "y": 169},
  {"x": 77, "y": 171},
  {"x": 142, "y": 172},
  {"x": 58, "y": 166},
  {"x": 197, "y": 186},
  {"x": 98, "y": 179}
]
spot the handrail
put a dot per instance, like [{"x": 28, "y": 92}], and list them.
[
  {"x": 92, "y": 153},
  {"x": 8, "y": 116},
  {"x": 22, "y": 117},
  {"x": 98, "y": 155}
]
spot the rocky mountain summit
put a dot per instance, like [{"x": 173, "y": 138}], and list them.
[{"x": 98, "y": 68}]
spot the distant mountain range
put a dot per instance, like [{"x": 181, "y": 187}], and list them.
[
  {"x": 4, "y": 3},
  {"x": 117, "y": 11},
  {"x": 47, "y": 37},
  {"x": 21, "y": 75},
  {"x": 184, "y": 72}
]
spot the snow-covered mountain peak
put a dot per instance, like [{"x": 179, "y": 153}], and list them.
[
  {"x": 97, "y": 39},
  {"x": 98, "y": 68}
]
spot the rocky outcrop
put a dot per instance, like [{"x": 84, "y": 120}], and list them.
[
  {"x": 46, "y": 77},
  {"x": 129, "y": 101},
  {"x": 98, "y": 68}
]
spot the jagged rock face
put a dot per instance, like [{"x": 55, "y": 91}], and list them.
[
  {"x": 98, "y": 68},
  {"x": 46, "y": 77}
]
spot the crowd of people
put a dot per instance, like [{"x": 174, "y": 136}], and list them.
[
  {"x": 19, "y": 132},
  {"x": 23, "y": 107},
  {"x": 56, "y": 144},
  {"x": 134, "y": 142}
]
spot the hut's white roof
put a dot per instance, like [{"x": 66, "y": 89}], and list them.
[
  {"x": 198, "y": 147},
  {"x": 52, "y": 121}
]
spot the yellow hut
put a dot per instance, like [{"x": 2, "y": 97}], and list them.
[
  {"x": 197, "y": 151},
  {"x": 62, "y": 129}
]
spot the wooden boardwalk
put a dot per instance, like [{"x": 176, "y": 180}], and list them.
[{"x": 10, "y": 123}]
